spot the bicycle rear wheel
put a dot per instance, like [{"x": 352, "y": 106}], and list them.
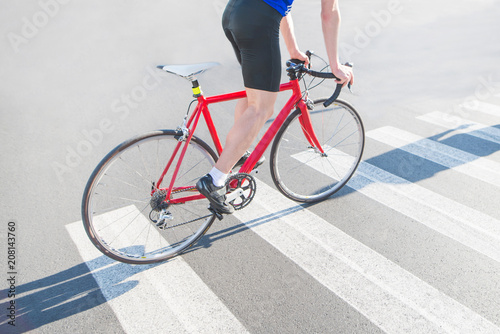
[
  {"x": 122, "y": 203},
  {"x": 303, "y": 173}
]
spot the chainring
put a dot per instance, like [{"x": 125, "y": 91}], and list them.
[{"x": 242, "y": 187}]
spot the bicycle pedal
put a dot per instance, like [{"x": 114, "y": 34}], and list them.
[{"x": 216, "y": 213}]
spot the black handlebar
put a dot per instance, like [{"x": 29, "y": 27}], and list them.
[
  {"x": 324, "y": 75},
  {"x": 297, "y": 66}
]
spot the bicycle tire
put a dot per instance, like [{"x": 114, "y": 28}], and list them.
[
  {"x": 117, "y": 209},
  {"x": 301, "y": 172}
]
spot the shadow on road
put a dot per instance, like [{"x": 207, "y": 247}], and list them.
[
  {"x": 68, "y": 293},
  {"x": 408, "y": 167}
]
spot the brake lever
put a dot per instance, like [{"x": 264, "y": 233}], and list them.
[{"x": 338, "y": 89}]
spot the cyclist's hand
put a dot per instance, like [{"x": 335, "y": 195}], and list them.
[
  {"x": 344, "y": 74},
  {"x": 300, "y": 56}
]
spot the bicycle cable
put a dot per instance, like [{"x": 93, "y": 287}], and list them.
[
  {"x": 307, "y": 87},
  {"x": 189, "y": 107}
]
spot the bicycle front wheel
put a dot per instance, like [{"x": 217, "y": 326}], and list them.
[
  {"x": 123, "y": 208},
  {"x": 303, "y": 173}
]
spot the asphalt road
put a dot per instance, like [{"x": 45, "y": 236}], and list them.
[{"x": 411, "y": 244}]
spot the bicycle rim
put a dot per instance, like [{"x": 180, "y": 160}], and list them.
[
  {"x": 118, "y": 211},
  {"x": 304, "y": 174}
]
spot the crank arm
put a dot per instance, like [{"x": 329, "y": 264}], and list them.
[{"x": 238, "y": 192}]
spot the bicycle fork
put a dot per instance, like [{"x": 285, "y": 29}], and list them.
[{"x": 307, "y": 128}]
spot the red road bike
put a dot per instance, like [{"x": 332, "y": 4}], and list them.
[{"x": 141, "y": 206}]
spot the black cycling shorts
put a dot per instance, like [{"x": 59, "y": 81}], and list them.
[{"x": 252, "y": 27}]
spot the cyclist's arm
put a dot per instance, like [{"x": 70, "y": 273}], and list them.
[
  {"x": 287, "y": 31},
  {"x": 330, "y": 21}
]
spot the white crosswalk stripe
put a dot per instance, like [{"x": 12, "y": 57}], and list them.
[
  {"x": 484, "y": 107},
  {"x": 462, "y": 125},
  {"x": 173, "y": 297},
  {"x": 452, "y": 158}
]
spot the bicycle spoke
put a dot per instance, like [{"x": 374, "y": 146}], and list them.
[
  {"x": 135, "y": 171},
  {"x": 143, "y": 162},
  {"x": 138, "y": 235},
  {"x": 349, "y": 144},
  {"x": 122, "y": 181},
  {"x": 140, "y": 212},
  {"x": 336, "y": 128},
  {"x": 304, "y": 174},
  {"x": 146, "y": 200},
  {"x": 333, "y": 136},
  {"x": 333, "y": 168},
  {"x": 180, "y": 177},
  {"x": 158, "y": 159},
  {"x": 118, "y": 198},
  {"x": 353, "y": 133},
  {"x": 147, "y": 237}
]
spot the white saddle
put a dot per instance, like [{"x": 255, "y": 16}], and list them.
[{"x": 187, "y": 71}]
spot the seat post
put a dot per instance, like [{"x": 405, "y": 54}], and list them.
[{"x": 196, "y": 88}]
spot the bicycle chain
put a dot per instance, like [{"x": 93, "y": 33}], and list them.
[
  {"x": 236, "y": 177},
  {"x": 181, "y": 190},
  {"x": 188, "y": 222},
  {"x": 184, "y": 223}
]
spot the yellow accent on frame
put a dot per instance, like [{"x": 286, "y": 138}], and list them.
[{"x": 196, "y": 90}]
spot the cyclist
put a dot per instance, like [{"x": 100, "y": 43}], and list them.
[{"x": 252, "y": 27}]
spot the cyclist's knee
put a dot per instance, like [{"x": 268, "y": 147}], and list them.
[
  {"x": 262, "y": 113},
  {"x": 267, "y": 113},
  {"x": 261, "y": 103}
]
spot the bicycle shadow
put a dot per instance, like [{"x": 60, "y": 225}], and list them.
[{"x": 69, "y": 292}]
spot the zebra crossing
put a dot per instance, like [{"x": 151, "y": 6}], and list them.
[
  {"x": 461, "y": 125},
  {"x": 131, "y": 288},
  {"x": 447, "y": 156},
  {"x": 392, "y": 298},
  {"x": 366, "y": 280}
]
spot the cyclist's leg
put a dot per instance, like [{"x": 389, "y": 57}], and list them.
[
  {"x": 247, "y": 126},
  {"x": 252, "y": 27},
  {"x": 240, "y": 109},
  {"x": 241, "y": 106}
]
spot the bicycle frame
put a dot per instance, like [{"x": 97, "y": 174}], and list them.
[{"x": 202, "y": 109}]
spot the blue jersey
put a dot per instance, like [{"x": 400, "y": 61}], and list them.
[{"x": 282, "y": 6}]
